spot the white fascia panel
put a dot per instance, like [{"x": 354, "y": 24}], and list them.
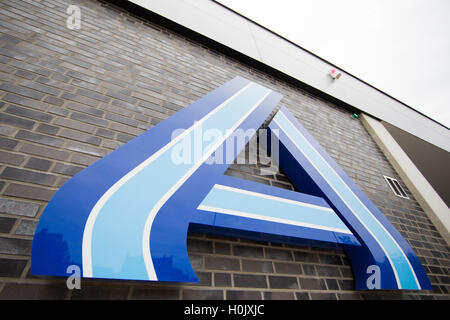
[
  {"x": 430, "y": 201},
  {"x": 222, "y": 25}
]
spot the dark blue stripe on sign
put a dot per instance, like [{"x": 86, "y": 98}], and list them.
[
  {"x": 59, "y": 235},
  {"x": 261, "y": 209},
  {"x": 362, "y": 217}
]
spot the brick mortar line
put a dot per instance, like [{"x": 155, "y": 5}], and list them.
[
  {"x": 70, "y": 152},
  {"x": 16, "y": 236},
  {"x": 25, "y": 199},
  {"x": 26, "y": 270},
  {"x": 53, "y": 187},
  {"x": 14, "y": 257},
  {"x": 46, "y": 172},
  {"x": 15, "y": 226},
  {"x": 273, "y": 260},
  {"x": 35, "y": 201},
  {"x": 35, "y": 125},
  {"x": 266, "y": 273},
  {"x": 294, "y": 250},
  {"x": 263, "y": 246},
  {"x": 33, "y": 281}
]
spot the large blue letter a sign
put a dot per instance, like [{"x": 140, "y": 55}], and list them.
[{"x": 127, "y": 215}]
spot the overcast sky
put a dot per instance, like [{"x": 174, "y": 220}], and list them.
[{"x": 401, "y": 47}]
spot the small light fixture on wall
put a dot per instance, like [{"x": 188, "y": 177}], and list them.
[{"x": 335, "y": 74}]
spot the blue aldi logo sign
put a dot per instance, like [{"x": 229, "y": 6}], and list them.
[{"x": 127, "y": 215}]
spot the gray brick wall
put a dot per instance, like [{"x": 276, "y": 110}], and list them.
[{"x": 68, "y": 98}]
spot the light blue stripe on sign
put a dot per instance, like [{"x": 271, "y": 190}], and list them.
[
  {"x": 117, "y": 237},
  {"x": 402, "y": 268},
  {"x": 260, "y": 206}
]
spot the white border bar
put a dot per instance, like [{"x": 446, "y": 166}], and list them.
[
  {"x": 423, "y": 192},
  {"x": 224, "y": 26}
]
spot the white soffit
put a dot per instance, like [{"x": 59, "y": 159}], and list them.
[
  {"x": 423, "y": 191},
  {"x": 224, "y": 26}
]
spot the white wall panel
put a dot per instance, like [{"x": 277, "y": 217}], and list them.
[{"x": 222, "y": 25}]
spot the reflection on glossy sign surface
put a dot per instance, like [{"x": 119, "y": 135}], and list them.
[
  {"x": 312, "y": 170},
  {"x": 127, "y": 215}
]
